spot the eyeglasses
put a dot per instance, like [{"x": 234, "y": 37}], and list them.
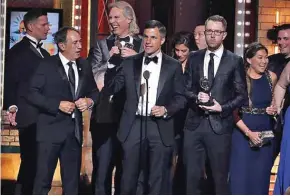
[{"x": 216, "y": 32}]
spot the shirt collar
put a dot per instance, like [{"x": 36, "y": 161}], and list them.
[
  {"x": 64, "y": 60},
  {"x": 218, "y": 52},
  {"x": 158, "y": 54},
  {"x": 32, "y": 39}
]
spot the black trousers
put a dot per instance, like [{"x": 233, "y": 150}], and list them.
[
  {"x": 106, "y": 154},
  {"x": 69, "y": 155},
  {"x": 144, "y": 152},
  {"x": 27, "y": 169},
  {"x": 199, "y": 143}
]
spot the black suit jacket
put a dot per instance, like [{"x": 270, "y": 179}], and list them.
[
  {"x": 170, "y": 93},
  {"x": 21, "y": 62},
  {"x": 49, "y": 86},
  {"x": 229, "y": 90}
]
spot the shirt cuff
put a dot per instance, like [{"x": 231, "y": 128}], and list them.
[
  {"x": 92, "y": 105},
  {"x": 11, "y": 107},
  {"x": 111, "y": 66}
]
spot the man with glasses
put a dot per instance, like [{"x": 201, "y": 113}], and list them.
[{"x": 209, "y": 123}]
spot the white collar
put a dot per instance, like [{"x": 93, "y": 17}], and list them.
[
  {"x": 64, "y": 60},
  {"x": 32, "y": 38},
  {"x": 218, "y": 52}
]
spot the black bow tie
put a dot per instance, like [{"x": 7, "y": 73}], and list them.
[
  {"x": 148, "y": 60},
  {"x": 125, "y": 39},
  {"x": 38, "y": 45}
]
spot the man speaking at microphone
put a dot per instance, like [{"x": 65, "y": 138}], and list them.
[{"x": 165, "y": 98}]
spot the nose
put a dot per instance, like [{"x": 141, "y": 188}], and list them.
[{"x": 178, "y": 53}]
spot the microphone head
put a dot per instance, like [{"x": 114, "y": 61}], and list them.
[{"x": 146, "y": 74}]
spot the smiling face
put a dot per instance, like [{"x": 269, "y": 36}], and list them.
[
  {"x": 259, "y": 62},
  {"x": 284, "y": 41},
  {"x": 118, "y": 22},
  {"x": 71, "y": 49}
]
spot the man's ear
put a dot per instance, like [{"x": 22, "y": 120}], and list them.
[
  {"x": 225, "y": 35},
  {"x": 62, "y": 46},
  {"x": 162, "y": 40},
  {"x": 29, "y": 27}
]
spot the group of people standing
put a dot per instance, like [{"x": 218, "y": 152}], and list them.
[{"x": 166, "y": 124}]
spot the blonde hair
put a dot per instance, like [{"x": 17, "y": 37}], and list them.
[{"x": 129, "y": 13}]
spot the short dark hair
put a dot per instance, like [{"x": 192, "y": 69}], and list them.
[
  {"x": 32, "y": 15},
  {"x": 186, "y": 38},
  {"x": 151, "y": 24},
  {"x": 283, "y": 27},
  {"x": 61, "y": 34},
  {"x": 251, "y": 51},
  {"x": 217, "y": 18}
]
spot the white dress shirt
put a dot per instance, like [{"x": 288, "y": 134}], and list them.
[
  {"x": 153, "y": 81},
  {"x": 64, "y": 62},
  {"x": 33, "y": 44},
  {"x": 217, "y": 59}
]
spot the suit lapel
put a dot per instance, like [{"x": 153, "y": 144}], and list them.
[
  {"x": 163, "y": 75},
  {"x": 137, "y": 72},
  {"x": 81, "y": 78},
  {"x": 63, "y": 75},
  {"x": 221, "y": 66},
  {"x": 201, "y": 63}
]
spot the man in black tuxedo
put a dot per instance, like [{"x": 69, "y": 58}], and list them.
[
  {"x": 106, "y": 117},
  {"x": 208, "y": 129},
  {"x": 61, "y": 88},
  {"x": 147, "y": 133},
  {"x": 21, "y": 61}
]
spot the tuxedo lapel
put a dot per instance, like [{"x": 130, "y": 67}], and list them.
[
  {"x": 137, "y": 72},
  {"x": 81, "y": 78},
  {"x": 163, "y": 75},
  {"x": 110, "y": 42}
]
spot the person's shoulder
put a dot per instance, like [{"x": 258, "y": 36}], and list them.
[
  {"x": 169, "y": 58},
  {"x": 273, "y": 75}
]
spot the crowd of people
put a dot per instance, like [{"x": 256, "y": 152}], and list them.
[{"x": 200, "y": 120}]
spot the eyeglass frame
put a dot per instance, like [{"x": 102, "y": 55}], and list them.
[{"x": 215, "y": 32}]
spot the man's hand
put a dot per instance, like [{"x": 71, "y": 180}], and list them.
[
  {"x": 126, "y": 52},
  {"x": 158, "y": 111},
  {"x": 66, "y": 107},
  {"x": 114, "y": 50},
  {"x": 203, "y": 97},
  {"x": 83, "y": 103},
  {"x": 215, "y": 108},
  {"x": 12, "y": 118}
]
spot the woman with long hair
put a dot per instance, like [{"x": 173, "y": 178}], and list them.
[{"x": 253, "y": 138}]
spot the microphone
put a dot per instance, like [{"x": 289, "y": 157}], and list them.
[{"x": 146, "y": 74}]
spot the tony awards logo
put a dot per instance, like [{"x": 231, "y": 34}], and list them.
[{"x": 205, "y": 85}]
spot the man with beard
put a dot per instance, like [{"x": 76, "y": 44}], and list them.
[
  {"x": 111, "y": 51},
  {"x": 215, "y": 87}
]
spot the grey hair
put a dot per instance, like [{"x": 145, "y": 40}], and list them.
[
  {"x": 217, "y": 18},
  {"x": 129, "y": 13}
]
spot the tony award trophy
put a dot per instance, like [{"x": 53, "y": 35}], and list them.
[{"x": 205, "y": 86}]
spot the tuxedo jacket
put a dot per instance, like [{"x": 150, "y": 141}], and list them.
[
  {"x": 170, "y": 93},
  {"x": 108, "y": 110},
  {"x": 228, "y": 89},
  {"x": 21, "y": 62},
  {"x": 49, "y": 86}
]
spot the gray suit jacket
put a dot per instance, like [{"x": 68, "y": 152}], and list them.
[{"x": 98, "y": 59}]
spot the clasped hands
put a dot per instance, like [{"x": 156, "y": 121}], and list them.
[
  {"x": 81, "y": 104},
  {"x": 204, "y": 98},
  {"x": 124, "y": 51}
]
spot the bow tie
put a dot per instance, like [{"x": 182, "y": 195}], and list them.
[
  {"x": 148, "y": 60},
  {"x": 125, "y": 39},
  {"x": 38, "y": 45}
]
